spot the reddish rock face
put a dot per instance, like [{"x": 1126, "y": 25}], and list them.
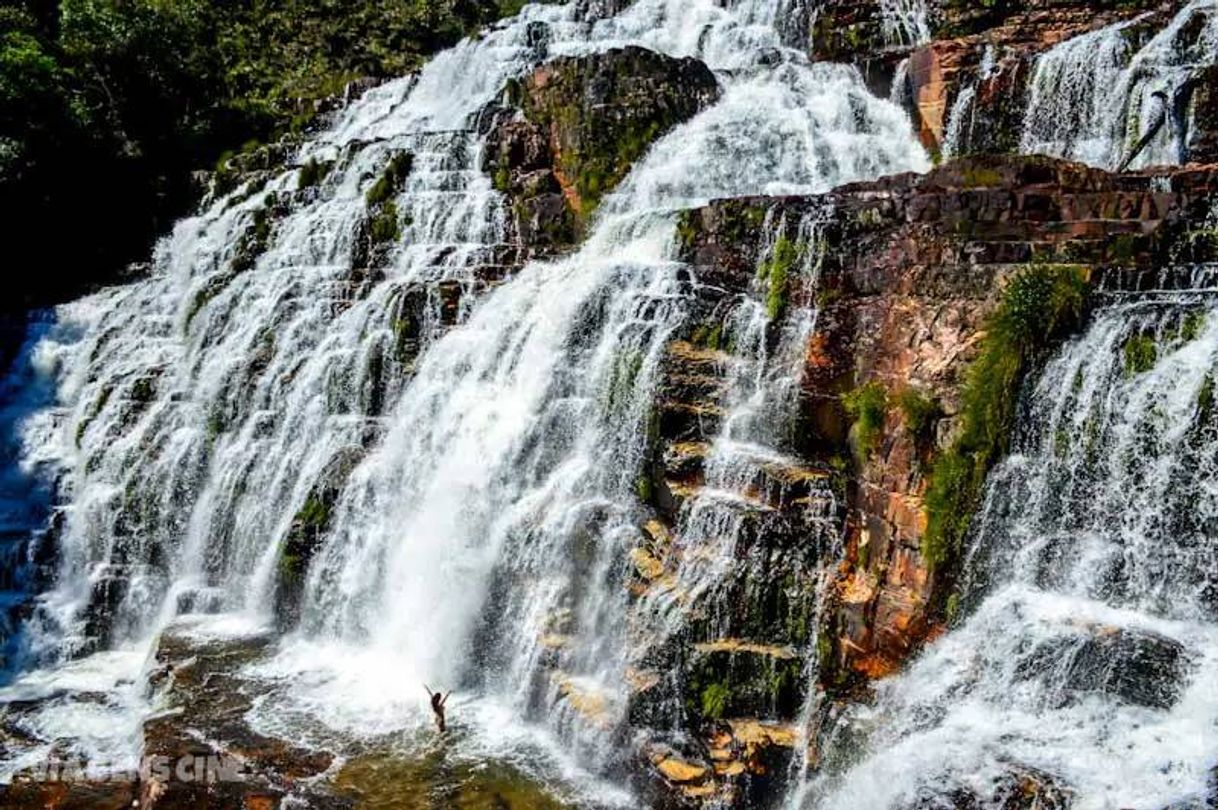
[
  {"x": 912, "y": 270},
  {"x": 1015, "y": 32}
]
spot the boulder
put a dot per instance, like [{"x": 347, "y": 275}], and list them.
[
  {"x": 1134, "y": 666},
  {"x": 573, "y": 128}
]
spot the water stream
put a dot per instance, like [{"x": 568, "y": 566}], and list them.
[
  {"x": 485, "y": 477},
  {"x": 1086, "y": 658}
]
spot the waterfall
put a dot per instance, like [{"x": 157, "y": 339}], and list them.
[
  {"x": 1086, "y": 666},
  {"x": 1094, "y": 97},
  {"x": 479, "y": 459},
  {"x": 904, "y": 23},
  {"x": 959, "y": 128}
]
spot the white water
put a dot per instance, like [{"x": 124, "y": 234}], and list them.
[
  {"x": 1092, "y": 98},
  {"x": 1096, "y": 531},
  {"x": 493, "y": 489},
  {"x": 905, "y": 23},
  {"x": 959, "y": 128}
]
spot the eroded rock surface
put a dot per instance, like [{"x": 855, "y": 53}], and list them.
[{"x": 582, "y": 123}]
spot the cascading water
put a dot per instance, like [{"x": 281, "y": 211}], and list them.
[
  {"x": 905, "y": 23},
  {"x": 1096, "y": 97},
  {"x": 960, "y": 118},
  {"x": 1087, "y": 666},
  {"x": 484, "y": 474}
]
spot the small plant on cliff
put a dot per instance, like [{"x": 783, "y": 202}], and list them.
[
  {"x": 867, "y": 405},
  {"x": 1038, "y": 306},
  {"x": 919, "y": 412},
  {"x": 312, "y": 173},
  {"x": 1192, "y": 326},
  {"x": 385, "y": 227},
  {"x": 775, "y": 272},
  {"x": 1140, "y": 354},
  {"x": 714, "y": 700},
  {"x": 392, "y": 180}
]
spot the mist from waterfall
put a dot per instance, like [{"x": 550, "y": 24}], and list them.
[
  {"x": 485, "y": 474},
  {"x": 1086, "y": 659}
]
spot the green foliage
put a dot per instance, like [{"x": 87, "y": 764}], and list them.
[
  {"x": 1193, "y": 325},
  {"x": 392, "y": 180},
  {"x": 1038, "y": 306},
  {"x": 708, "y": 335},
  {"x": 953, "y": 607},
  {"x": 385, "y": 227},
  {"x": 714, "y": 700},
  {"x": 687, "y": 233},
  {"x": 919, "y": 412},
  {"x": 867, "y": 405},
  {"x": 312, "y": 173},
  {"x": 254, "y": 240},
  {"x": 776, "y": 273},
  {"x": 107, "y": 106},
  {"x": 1140, "y": 354},
  {"x": 644, "y": 490}
]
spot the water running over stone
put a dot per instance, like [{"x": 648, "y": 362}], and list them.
[
  {"x": 1090, "y": 601},
  {"x": 1095, "y": 97},
  {"x": 309, "y": 365}
]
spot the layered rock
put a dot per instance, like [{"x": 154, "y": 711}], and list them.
[
  {"x": 993, "y": 58},
  {"x": 913, "y": 268},
  {"x": 1004, "y": 36},
  {"x": 580, "y": 123}
]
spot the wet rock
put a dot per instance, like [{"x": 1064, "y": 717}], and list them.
[
  {"x": 912, "y": 268},
  {"x": 204, "y": 723},
  {"x": 307, "y": 533},
  {"x": 1133, "y": 666},
  {"x": 1020, "y": 789},
  {"x": 738, "y": 678},
  {"x": 31, "y": 795},
  {"x": 381, "y": 779},
  {"x": 583, "y": 122}
]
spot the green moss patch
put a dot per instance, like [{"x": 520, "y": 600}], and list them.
[
  {"x": 920, "y": 413},
  {"x": 1140, "y": 354},
  {"x": 867, "y": 405},
  {"x": 313, "y": 173},
  {"x": 1038, "y": 307},
  {"x": 776, "y": 272}
]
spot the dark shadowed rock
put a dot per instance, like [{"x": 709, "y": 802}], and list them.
[{"x": 1135, "y": 667}]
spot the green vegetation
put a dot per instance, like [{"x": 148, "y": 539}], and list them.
[
  {"x": 307, "y": 528},
  {"x": 1140, "y": 354},
  {"x": 977, "y": 177},
  {"x": 953, "y": 607},
  {"x": 385, "y": 226},
  {"x": 107, "y": 106},
  {"x": 776, "y": 272},
  {"x": 919, "y": 413},
  {"x": 714, "y": 700},
  {"x": 867, "y": 405},
  {"x": 1193, "y": 325},
  {"x": 392, "y": 180},
  {"x": 1038, "y": 307},
  {"x": 255, "y": 238},
  {"x": 312, "y": 173}
]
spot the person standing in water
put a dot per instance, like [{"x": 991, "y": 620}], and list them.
[{"x": 437, "y": 706}]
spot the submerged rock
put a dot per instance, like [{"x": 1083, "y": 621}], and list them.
[{"x": 1134, "y": 666}]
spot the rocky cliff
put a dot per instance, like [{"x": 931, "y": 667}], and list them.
[
  {"x": 878, "y": 336},
  {"x": 936, "y": 296}
]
